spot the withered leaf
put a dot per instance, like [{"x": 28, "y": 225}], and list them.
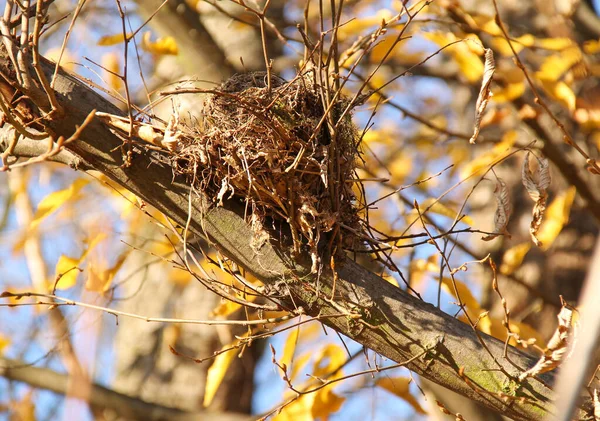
[
  {"x": 484, "y": 92},
  {"x": 503, "y": 211},
  {"x": 557, "y": 346},
  {"x": 536, "y": 188}
]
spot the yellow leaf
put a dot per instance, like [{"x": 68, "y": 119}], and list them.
[
  {"x": 55, "y": 200},
  {"x": 400, "y": 168},
  {"x": 66, "y": 269},
  {"x": 557, "y": 215},
  {"x": 180, "y": 277},
  {"x": 23, "y": 410},
  {"x": 490, "y": 157},
  {"x": 312, "y": 406},
  {"x": 325, "y": 403},
  {"x": 501, "y": 45},
  {"x": 299, "y": 410},
  {"x": 422, "y": 265},
  {"x": 66, "y": 266},
  {"x": 444, "y": 210},
  {"x": 554, "y": 43},
  {"x": 555, "y": 66},
  {"x": 399, "y": 386},
  {"x": 217, "y": 371},
  {"x": 379, "y": 51},
  {"x": 225, "y": 308},
  {"x": 511, "y": 84},
  {"x": 112, "y": 39},
  {"x": 67, "y": 61},
  {"x": 99, "y": 280},
  {"x": 290, "y": 347},
  {"x": 591, "y": 46},
  {"x": 466, "y": 297},
  {"x": 513, "y": 258},
  {"x": 299, "y": 363},
  {"x": 162, "y": 46},
  {"x": 4, "y": 342},
  {"x": 494, "y": 326},
  {"x": 112, "y": 68},
  {"x": 465, "y": 53},
  {"x": 356, "y": 26},
  {"x": 561, "y": 92},
  {"x": 329, "y": 358},
  {"x": 487, "y": 24},
  {"x": 509, "y": 92}
]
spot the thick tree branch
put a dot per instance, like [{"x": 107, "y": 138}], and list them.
[
  {"x": 380, "y": 316},
  {"x": 101, "y": 397}
]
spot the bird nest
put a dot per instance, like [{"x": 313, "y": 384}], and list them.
[{"x": 275, "y": 148}]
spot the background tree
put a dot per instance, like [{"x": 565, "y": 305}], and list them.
[{"x": 386, "y": 57}]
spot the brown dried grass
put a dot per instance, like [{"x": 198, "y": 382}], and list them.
[{"x": 273, "y": 150}]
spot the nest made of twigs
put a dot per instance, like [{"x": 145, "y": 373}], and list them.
[{"x": 275, "y": 149}]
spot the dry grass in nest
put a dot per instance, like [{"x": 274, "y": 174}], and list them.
[{"x": 275, "y": 151}]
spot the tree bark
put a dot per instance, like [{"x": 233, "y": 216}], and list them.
[
  {"x": 104, "y": 399},
  {"x": 365, "y": 308}
]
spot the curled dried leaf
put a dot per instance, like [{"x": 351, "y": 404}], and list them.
[
  {"x": 536, "y": 188},
  {"x": 557, "y": 346},
  {"x": 596, "y": 405},
  {"x": 539, "y": 209},
  {"x": 503, "y": 211},
  {"x": 484, "y": 93}
]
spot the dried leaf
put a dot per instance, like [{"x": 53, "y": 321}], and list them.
[
  {"x": 537, "y": 191},
  {"x": 503, "y": 211},
  {"x": 557, "y": 346},
  {"x": 596, "y": 405},
  {"x": 168, "y": 138},
  {"x": 173, "y": 134},
  {"x": 484, "y": 92},
  {"x": 539, "y": 209}
]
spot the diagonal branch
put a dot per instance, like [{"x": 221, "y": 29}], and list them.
[
  {"x": 378, "y": 315},
  {"x": 101, "y": 397}
]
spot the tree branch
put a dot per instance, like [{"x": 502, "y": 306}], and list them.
[
  {"x": 101, "y": 397},
  {"x": 380, "y": 316}
]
